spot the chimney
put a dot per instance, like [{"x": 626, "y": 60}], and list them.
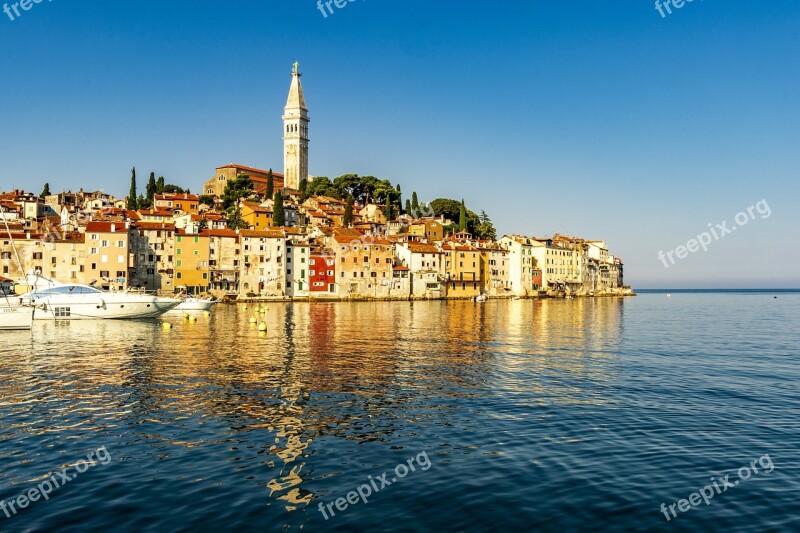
[{"x": 113, "y": 228}]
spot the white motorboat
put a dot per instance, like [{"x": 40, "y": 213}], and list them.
[
  {"x": 15, "y": 317},
  {"x": 84, "y": 302},
  {"x": 195, "y": 304}
]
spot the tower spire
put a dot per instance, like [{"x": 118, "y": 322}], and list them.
[{"x": 295, "y": 133}]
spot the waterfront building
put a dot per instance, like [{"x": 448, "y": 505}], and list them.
[
  {"x": 495, "y": 265},
  {"x": 64, "y": 258},
  {"x": 224, "y": 261},
  {"x": 108, "y": 254},
  {"x": 426, "y": 268},
  {"x": 155, "y": 251},
  {"x": 322, "y": 272},
  {"x": 263, "y": 269},
  {"x": 521, "y": 262},
  {"x": 364, "y": 265},
  {"x": 463, "y": 270},
  {"x": 299, "y": 268},
  {"x": 192, "y": 253}
]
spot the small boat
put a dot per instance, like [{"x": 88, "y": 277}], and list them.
[
  {"x": 15, "y": 317},
  {"x": 83, "y": 302},
  {"x": 195, "y": 304},
  {"x": 481, "y": 298}
]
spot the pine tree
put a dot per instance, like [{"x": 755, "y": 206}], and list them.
[
  {"x": 132, "y": 205},
  {"x": 348, "y": 212},
  {"x": 46, "y": 190},
  {"x": 278, "y": 214},
  {"x": 270, "y": 185},
  {"x": 462, "y": 217}
]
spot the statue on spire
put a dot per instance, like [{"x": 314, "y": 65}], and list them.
[{"x": 296, "y": 68}]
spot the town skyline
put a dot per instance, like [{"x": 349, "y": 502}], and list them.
[{"x": 542, "y": 150}]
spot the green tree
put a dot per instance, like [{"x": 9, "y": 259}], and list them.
[
  {"x": 235, "y": 220},
  {"x": 202, "y": 225},
  {"x": 408, "y": 206},
  {"x": 451, "y": 209},
  {"x": 132, "y": 204},
  {"x": 414, "y": 204},
  {"x": 348, "y": 212},
  {"x": 207, "y": 200},
  {"x": 319, "y": 186},
  {"x": 303, "y": 190},
  {"x": 462, "y": 217},
  {"x": 236, "y": 189},
  {"x": 174, "y": 189},
  {"x": 388, "y": 211},
  {"x": 399, "y": 199},
  {"x": 150, "y": 191},
  {"x": 46, "y": 190},
  {"x": 142, "y": 203},
  {"x": 278, "y": 214},
  {"x": 160, "y": 185},
  {"x": 270, "y": 184}
]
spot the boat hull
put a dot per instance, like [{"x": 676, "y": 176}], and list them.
[
  {"x": 15, "y": 317},
  {"x": 102, "y": 308}
]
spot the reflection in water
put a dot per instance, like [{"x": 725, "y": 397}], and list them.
[{"x": 214, "y": 424}]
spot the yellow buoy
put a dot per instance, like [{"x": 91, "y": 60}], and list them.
[
  {"x": 207, "y": 313},
  {"x": 166, "y": 325},
  {"x": 253, "y": 320},
  {"x": 192, "y": 319},
  {"x": 262, "y": 326}
]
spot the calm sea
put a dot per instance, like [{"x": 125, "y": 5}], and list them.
[{"x": 554, "y": 415}]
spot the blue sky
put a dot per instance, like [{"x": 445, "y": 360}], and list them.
[{"x": 596, "y": 119}]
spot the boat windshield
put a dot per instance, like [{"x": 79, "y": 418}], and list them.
[{"x": 65, "y": 289}]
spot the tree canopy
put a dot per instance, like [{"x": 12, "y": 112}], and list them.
[{"x": 236, "y": 189}]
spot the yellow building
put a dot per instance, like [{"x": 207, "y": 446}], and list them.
[
  {"x": 108, "y": 254},
  {"x": 430, "y": 229},
  {"x": 184, "y": 203},
  {"x": 464, "y": 272},
  {"x": 64, "y": 259},
  {"x": 256, "y": 216},
  {"x": 191, "y": 262}
]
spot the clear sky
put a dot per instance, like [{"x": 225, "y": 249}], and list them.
[{"x": 603, "y": 120}]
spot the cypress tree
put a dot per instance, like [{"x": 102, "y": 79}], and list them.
[
  {"x": 270, "y": 185},
  {"x": 132, "y": 204},
  {"x": 408, "y": 206},
  {"x": 414, "y": 204},
  {"x": 278, "y": 214},
  {"x": 46, "y": 190},
  {"x": 150, "y": 191},
  {"x": 462, "y": 217},
  {"x": 348, "y": 212}
]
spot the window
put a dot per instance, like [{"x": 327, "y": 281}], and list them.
[
  {"x": 178, "y": 263},
  {"x": 120, "y": 244},
  {"x": 104, "y": 244}
]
